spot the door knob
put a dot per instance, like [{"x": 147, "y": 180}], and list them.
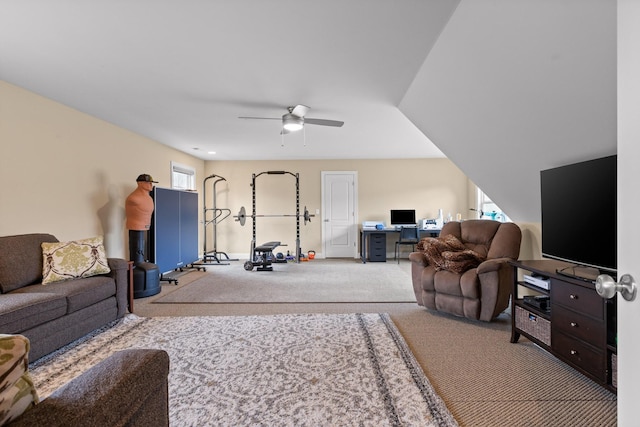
[{"x": 607, "y": 287}]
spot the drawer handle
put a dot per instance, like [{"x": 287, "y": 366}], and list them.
[
  {"x": 572, "y": 296},
  {"x": 573, "y": 352},
  {"x": 574, "y": 324}
]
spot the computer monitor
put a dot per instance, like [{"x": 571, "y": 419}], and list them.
[{"x": 403, "y": 217}]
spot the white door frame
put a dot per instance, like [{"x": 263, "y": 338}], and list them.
[{"x": 355, "y": 208}]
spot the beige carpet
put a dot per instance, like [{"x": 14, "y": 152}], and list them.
[
  {"x": 487, "y": 381},
  {"x": 317, "y": 281}
]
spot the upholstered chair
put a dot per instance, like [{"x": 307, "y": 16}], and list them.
[{"x": 481, "y": 292}]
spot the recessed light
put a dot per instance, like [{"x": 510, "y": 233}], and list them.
[{"x": 211, "y": 152}]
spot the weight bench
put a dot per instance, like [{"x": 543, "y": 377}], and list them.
[{"x": 262, "y": 257}]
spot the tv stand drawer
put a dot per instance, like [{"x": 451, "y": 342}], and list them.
[
  {"x": 579, "y": 354},
  {"x": 577, "y": 298},
  {"x": 577, "y": 325}
]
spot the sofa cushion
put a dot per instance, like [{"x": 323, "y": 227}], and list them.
[
  {"x": 17, "y": 393},
  {"x": 21, "y": 260},
  {"x": 79, "y": 293},
  {"x": 20, "y": 312},
  {"x": 74, "y": 259}
]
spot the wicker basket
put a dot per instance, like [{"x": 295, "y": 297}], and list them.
[{"x": 534, "y": 325}]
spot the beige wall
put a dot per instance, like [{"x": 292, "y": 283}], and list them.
[
  {"x": 422, "y": 184},
  {"x": 66, "y": 173},
  {"x": 531, "y": 247}
]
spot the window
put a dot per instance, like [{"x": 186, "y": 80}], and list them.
[
  {"x": 182, "y": 177},
  {"x": 487, "y": 209}
]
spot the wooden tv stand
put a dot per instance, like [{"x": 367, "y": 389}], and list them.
[{"x": 578, "y": 326}]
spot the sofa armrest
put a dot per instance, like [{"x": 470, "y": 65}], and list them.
[
  {"x": 120, "y": 274},
  {"x": 128, "y": 388},
  {"x": 117, "y": 264},
  {"x": 493, "y": 264}
]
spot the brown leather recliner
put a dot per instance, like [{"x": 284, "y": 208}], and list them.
[{"x": 482, "y": 292}]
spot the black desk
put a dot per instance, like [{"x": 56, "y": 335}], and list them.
[{"x": 365, "y": 233}]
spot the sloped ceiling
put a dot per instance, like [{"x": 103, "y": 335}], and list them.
[
  {"x": 514, "y": 87},
  {"x": 182, "y": 72}
]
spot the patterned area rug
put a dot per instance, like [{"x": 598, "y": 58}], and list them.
[{"x": 285, "y": 370}]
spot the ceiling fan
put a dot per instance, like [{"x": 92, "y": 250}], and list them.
[{"x": 295, "y": 119}]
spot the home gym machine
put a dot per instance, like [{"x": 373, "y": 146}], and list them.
[
  {"x": 217, "y": 216},
  {"x": 262, "y": 256}
]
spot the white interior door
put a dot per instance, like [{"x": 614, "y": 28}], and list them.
[
  {"x": 339, "y": 213},
  {"x": 628, "y": 207}
]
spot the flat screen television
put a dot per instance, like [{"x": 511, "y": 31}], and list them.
[
  {"x": 579, "y": 216},
  {"x": 403, "y": 217}
]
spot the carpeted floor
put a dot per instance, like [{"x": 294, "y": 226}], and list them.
[
  {"x": 284, "y": 370},
  {"x": 484, "y": 380},
  {"x": 317, "y": 281}
]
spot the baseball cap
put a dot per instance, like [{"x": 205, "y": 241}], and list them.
[{"x": 145, "y": 178}]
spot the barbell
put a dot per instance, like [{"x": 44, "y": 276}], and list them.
[{"x": 242, "y": 216}]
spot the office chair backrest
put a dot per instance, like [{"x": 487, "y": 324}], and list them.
[{"x": 409, "y": 234}]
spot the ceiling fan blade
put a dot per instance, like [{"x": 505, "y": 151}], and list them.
[
  {"x": 323, "y": 122},
  {"x": 300, "y": 110},
  {"x": 261, "y": 118}
]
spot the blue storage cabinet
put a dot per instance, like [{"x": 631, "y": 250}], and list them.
[{"x": 174, "y": 229}]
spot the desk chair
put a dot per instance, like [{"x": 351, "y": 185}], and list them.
[{"x": 408, "y": 236}]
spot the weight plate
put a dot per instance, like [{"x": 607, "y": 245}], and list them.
[{"x": 242, "y": 218}]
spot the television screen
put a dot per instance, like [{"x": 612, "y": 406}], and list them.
[
  {"x": 403, "y": 217},
  {"x": 579, "y": 213}
]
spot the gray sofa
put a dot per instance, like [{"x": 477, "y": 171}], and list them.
[
  {"x": 129, "y": 388},
  {"x": 54, "y": 315}
]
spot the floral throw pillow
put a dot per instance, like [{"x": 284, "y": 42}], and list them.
[
  {"x": 17, "y": 393},
  {"x": 74, "y": 259}
]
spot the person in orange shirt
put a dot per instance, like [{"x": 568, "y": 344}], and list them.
[{"x": 139, "y": 208}]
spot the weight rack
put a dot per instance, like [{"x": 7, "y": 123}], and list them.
[
  {"x": 254, "y": 215},
  {"x": 219, "y": 215}
]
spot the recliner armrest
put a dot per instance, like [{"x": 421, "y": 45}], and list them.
[
  {"x": 418, "y": 258},
  {"x": 114, "y": 392},
  {"x": 492, "y": 265}
]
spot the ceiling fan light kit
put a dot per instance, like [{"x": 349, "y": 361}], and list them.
[
  {"x": 292, "y": 123},
  {"x": 294, "y": 120}
]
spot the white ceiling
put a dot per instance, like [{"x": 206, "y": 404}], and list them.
[{"x": 181, "y": 72}]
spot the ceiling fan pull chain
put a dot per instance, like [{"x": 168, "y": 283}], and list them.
[{"x": 304, "y": 136}]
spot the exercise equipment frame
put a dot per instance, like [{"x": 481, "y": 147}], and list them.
[
  {"x": 219, "y": 215},
  {"x": 259, "y": 258}
]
